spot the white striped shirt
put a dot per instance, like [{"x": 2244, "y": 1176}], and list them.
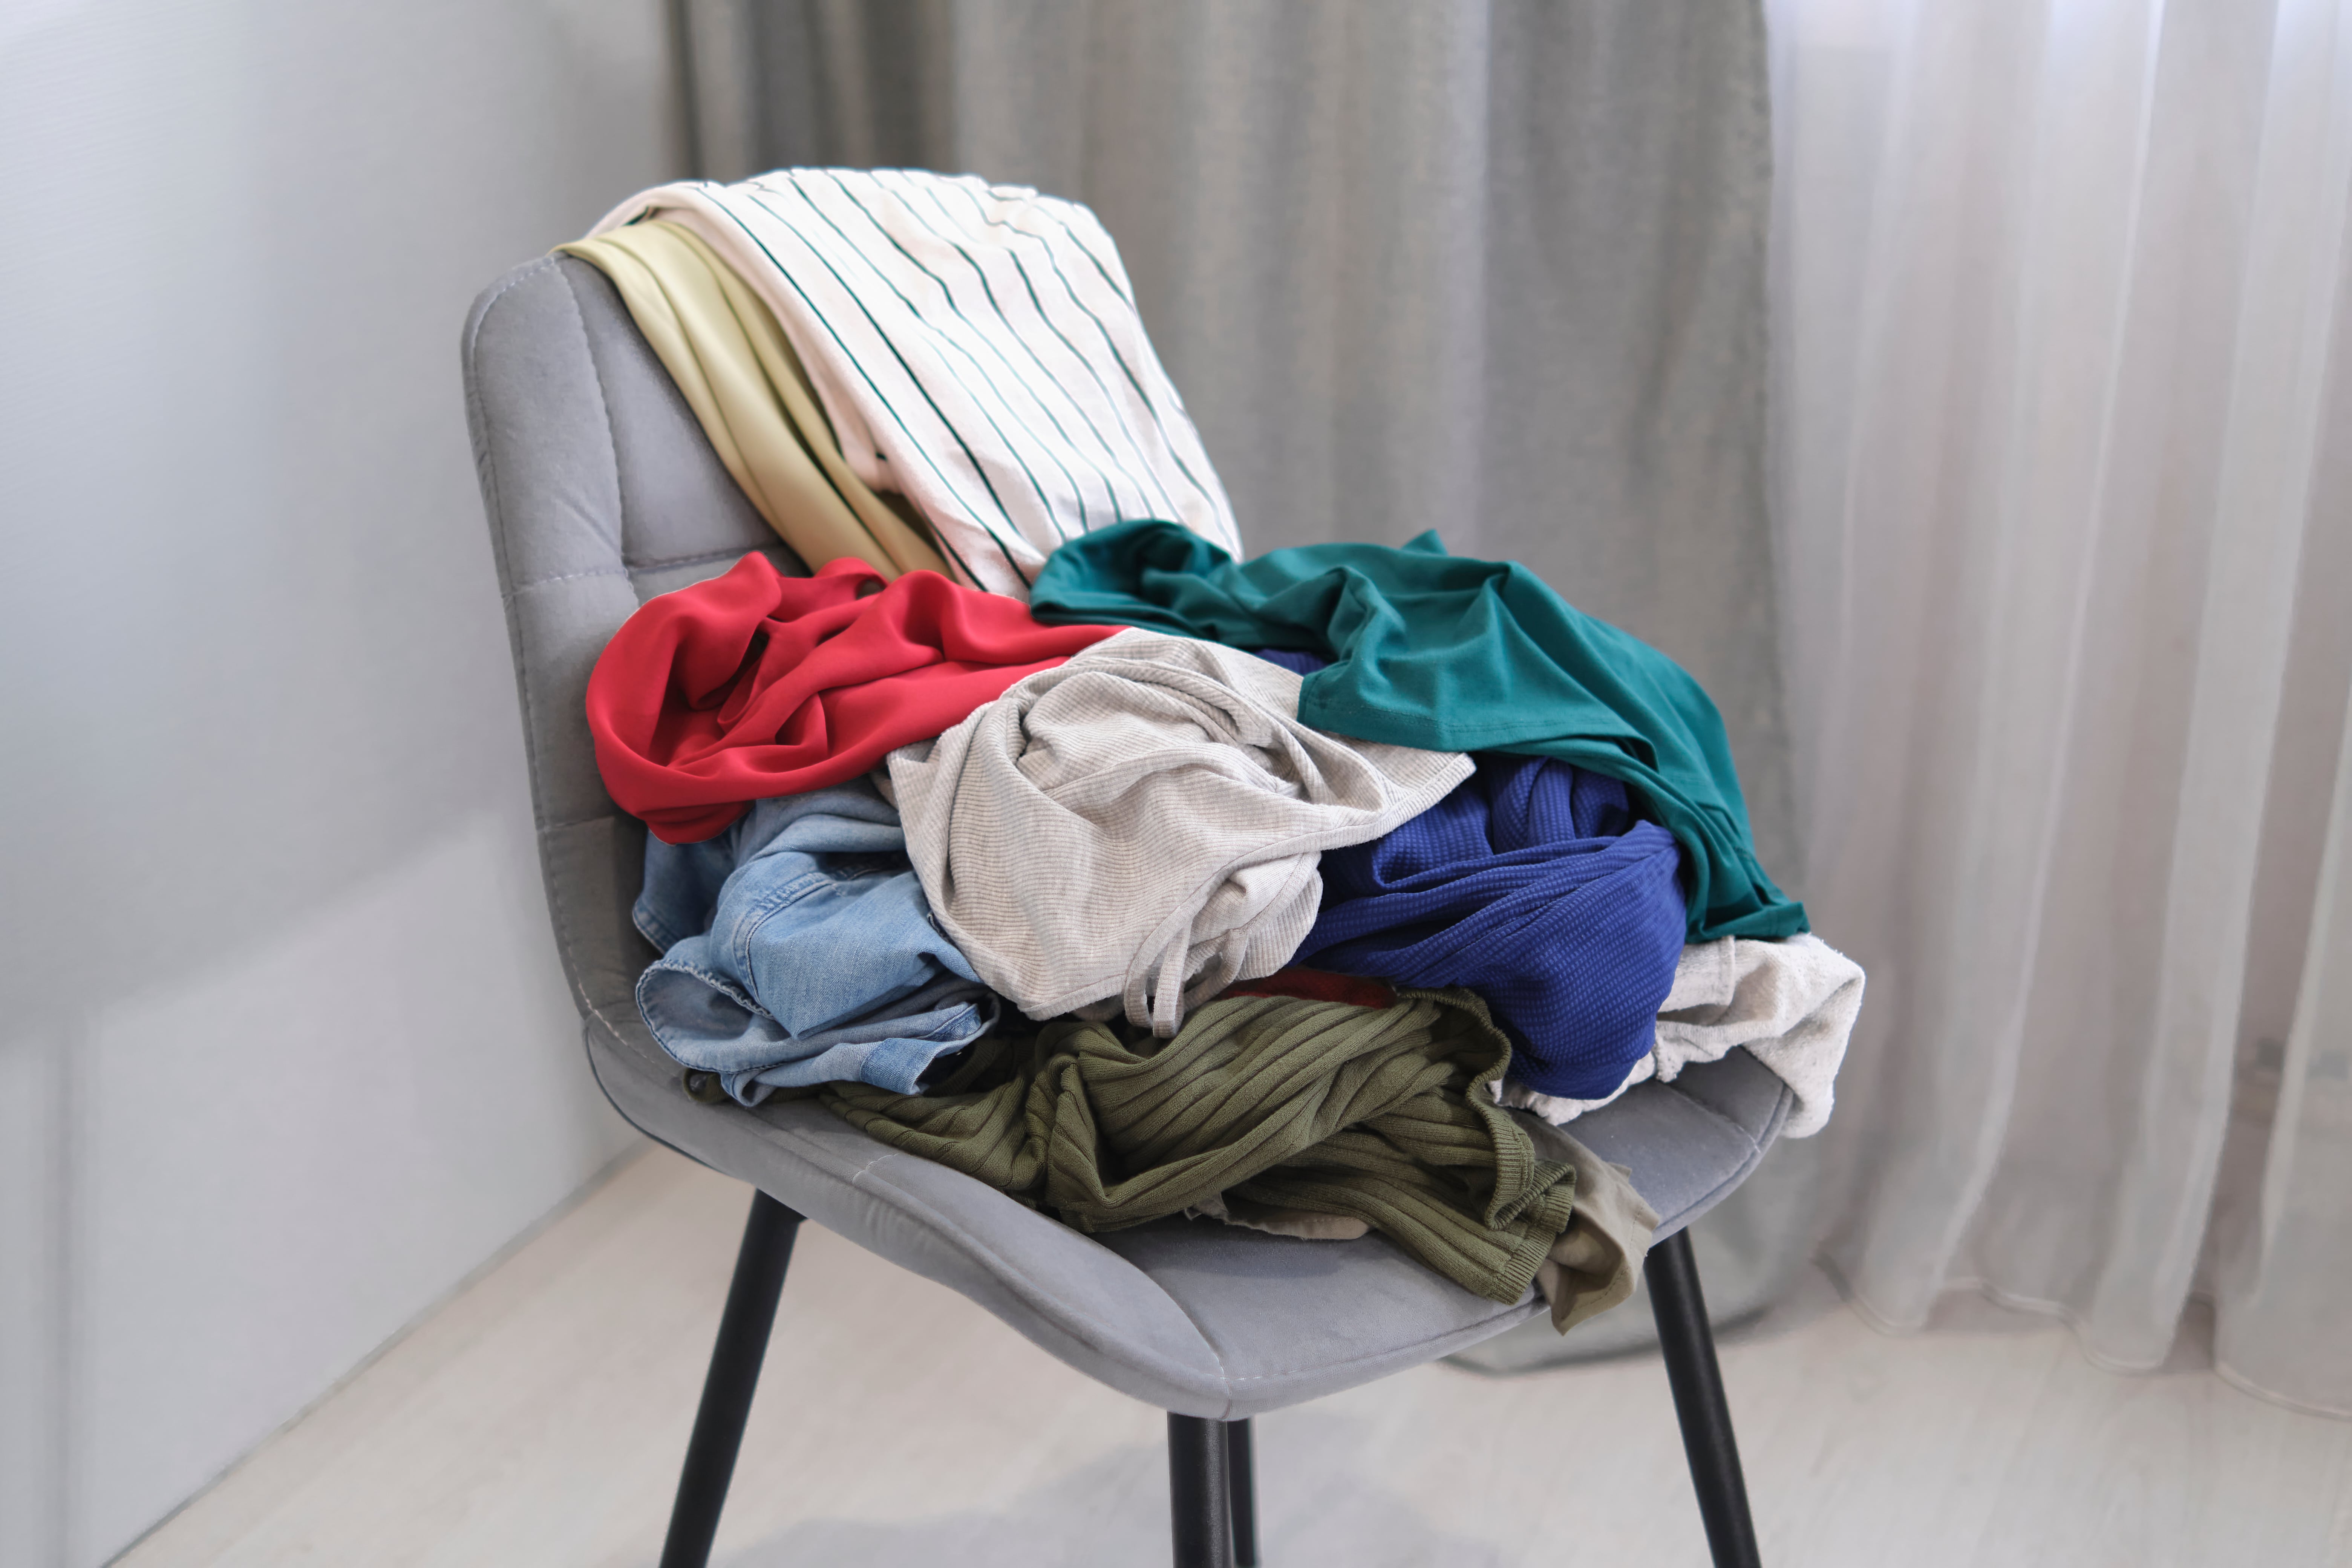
[{"x": 976, "y": 348}]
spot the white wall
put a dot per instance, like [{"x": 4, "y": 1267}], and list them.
[{"x": 284, "y": 1050}]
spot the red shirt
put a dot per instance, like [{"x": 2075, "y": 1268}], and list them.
[{"x": 755, "y": 684}]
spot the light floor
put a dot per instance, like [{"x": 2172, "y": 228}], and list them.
[{"x": 539, "y": 1419}]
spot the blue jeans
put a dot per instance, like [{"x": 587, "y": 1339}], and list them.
[{"x": 798, "y": 949}]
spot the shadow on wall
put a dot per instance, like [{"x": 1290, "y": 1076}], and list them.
[{"x": 1316, "y": 1509}]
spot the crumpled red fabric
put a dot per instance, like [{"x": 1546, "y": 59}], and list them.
[
  {"x": 1316, "y": 985},
  {"x": 754, "y": 684}
]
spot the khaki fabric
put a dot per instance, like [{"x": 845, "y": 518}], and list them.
[
  {"x": 731, "y": 361},
  {"x": 1278, "y": 1105},
  {"x": 1592, "y": 1267}
]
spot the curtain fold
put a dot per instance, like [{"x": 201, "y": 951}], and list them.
[
  {"x": 2055, "y": 289},
  {"x": 2279, "y": 1321}
]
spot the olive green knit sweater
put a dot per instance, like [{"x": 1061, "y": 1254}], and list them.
[{"x": 1382, "y": 1115}]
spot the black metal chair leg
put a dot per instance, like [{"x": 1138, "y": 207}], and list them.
[
  {"x": 734, "y": 1377},
  {"x": 1200, "y": 1505},
  {"x": 1241, "y": 1478},
  {"x": 1672, "y": 1274}
]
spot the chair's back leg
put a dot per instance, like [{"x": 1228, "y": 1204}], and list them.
[
  {"x": 734, "y": 1377},
  {"x": 1200, "y": 1493},
  {"x": 1241, "y": 1478},
  {"x": 1672, "y": 1274}
]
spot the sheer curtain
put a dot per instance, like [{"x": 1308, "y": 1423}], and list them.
[{"x": 2062, "y": 478}]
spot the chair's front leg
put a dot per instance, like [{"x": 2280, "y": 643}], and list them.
[
  {"x": 734, "y": 1377},
  {"x": 1672, "y": 1274},
  {"x": 1199, "y": 1492},
  {"x": 1240, "y": 1480}
]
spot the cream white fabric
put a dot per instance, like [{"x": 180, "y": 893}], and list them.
[
  {"x": 1594, "y": 1264},
  {"x": 1143, "y": 824},
  {"x": 1792, "y": 1003},
  {"x": 976, "y": 348}
]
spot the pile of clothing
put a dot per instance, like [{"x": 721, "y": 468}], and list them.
[{"x": 1037, "y": 833}]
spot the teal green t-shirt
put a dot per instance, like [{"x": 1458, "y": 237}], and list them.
[{"x": 1453, "y": 654}]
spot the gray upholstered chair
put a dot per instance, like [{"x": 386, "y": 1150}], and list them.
[{"x": 602, "y": 493}]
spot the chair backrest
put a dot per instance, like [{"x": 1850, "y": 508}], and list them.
[{"x": 602, "y": 491}]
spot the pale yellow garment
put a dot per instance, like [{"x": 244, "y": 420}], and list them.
[{"x": 723, "y": 346}]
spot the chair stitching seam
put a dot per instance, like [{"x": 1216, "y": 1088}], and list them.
[
  {"x": 522, "y": 588},
  {"x": 522, "y": 655},
  {"x": 1691, "y": 1211},
  {"x": 612, "y": 431},
  {"x": 1425, "y": 1338},
  {"x": 522, "y": 276},
  {"x": 1038, "y": 1287},
  {"x": 1216, "y": 1355},
  {"x": 562, "y": 904},
  {"x": 697, "y": 559},
  {"x": 1706, "y": 1109},
  {"x": 858, "y": 1174},
  {"x": 578, "y": 822},
  {"x": 631, "y": 570}
]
